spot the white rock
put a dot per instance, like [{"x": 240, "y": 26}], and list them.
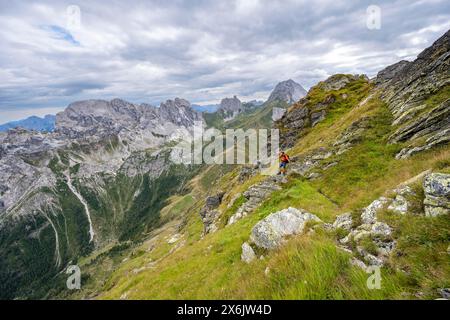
[
  {"x": 269, "y": 233},
  {"x": 369, "y": 214},
  {"x": 360, "y": 235},
  {"x": 381, "y": 228},
  {"x": 437, "y": 194},
  {"x": 343, "y": 221},
  {"x": 248, "y": 254},
  {"x": 369, "y": 258},
  {"x": 399, "y": 204},
  {"x": 174, "y": 238},
  {"x": 358, "y": 263}
]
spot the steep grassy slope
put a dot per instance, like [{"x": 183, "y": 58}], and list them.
[{"x": 310, "y": 266}]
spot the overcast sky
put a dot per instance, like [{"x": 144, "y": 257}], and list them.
[{"x": 150, "y": 51}]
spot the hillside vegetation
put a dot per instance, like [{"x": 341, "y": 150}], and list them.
[{"x": 308, "y": 266}]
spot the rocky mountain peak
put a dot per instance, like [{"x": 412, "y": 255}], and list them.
[
  {"x": 289, "y": 91},
  {"x": 101, "y": 117},
  {"x": 231, "y": 104},
  {"x": 179, "y": 111}
]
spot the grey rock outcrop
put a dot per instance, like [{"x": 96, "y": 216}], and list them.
[
  {"x": 406, "y": 88},
  {"x": 339, "y": 81},
  {"x": 343, "y": 221},
  {"x": 352, "y": 135},
  {"x": 400, "y": 203},
  {"x": 305, "y": 163},
  {"x": 305, "y": 114},
  {"x": 248, "y": 255},
  {"x": 255, "y": 195},
  {"x": 437, "y": 194},
  {"x": 270, "y": 232},
  {"x": 288, "y": 91},
  {"x": 230, "y": 107},
  {"x": 209, "y": 212},
  {"x": 231, "y": 104},
  {"x": 390, "y": 72},
  {"x": 381, "y": 228},
  {"x": 100, "y": 118},
  {"x": 369, "y": 213}
]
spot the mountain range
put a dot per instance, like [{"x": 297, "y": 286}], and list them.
[
  {"x": 47, "y": 123},
  {"x": 281, "y": 92},
  {"x": 368, "y": 186}
]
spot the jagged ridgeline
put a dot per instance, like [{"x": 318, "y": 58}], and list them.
[
  {"x": 368, "y": 186},
  {"x": 233, "y": 114},
  {"x": 99, "y": 179}
]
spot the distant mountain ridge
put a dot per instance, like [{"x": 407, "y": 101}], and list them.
[
  {"x": 205, "y": 108},
  {"x": 47, "y": 123},
  {"x": 289, "y": 91}
]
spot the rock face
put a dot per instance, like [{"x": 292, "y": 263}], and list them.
[
  {"x": 352, "y": 135},
  {"x": 100, "y": 118},
  {"x": 407, "y": 88},
  {"x": 209, "y": 212},
  {"x": 307, "y": 112},
  {"x": 437, "y": 194},
  {"x": 231, "y": 104},
  {"x": 113, "y": 129},
  {"x": 390, "y": 72},
  {"x": 270, "y": 232},
  {"x": 339, "y": 81},
  {"x": 230, "y": 107},
  {"x": 288, "y": 91},
  {"x": 98, "y": 150}
]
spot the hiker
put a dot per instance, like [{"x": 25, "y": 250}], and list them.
[{"x": 284, "y": 160}]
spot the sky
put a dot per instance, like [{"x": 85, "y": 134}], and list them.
[{"x": 55, "y": 52}]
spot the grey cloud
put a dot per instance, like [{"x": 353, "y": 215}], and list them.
[{"x": 149, "y": 51}]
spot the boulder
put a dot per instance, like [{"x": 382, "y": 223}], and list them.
[
  {"x": 248, "y": 254},
  {"x": 445, "y": 293},
  {"x": 255, "y": 195},
  {"x": 343, "y": 221},
  {"x": 437, "y": 194},
  {"x": 369, "y": 213},
  {"x": 270, "y": 232},
  {"x": 381, "y": 229},
  {"x": 399, "y": 204}
]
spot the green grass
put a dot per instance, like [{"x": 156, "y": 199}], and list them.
[
  {"x": 422, "y": 251},
  {"x": 308, "y": 266}
]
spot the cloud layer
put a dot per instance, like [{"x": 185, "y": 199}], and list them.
[{"x": 149, "y": 51}]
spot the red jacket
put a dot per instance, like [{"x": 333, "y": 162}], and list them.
[{"x": 284, "y": 158}]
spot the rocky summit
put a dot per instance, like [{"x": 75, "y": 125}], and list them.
[{"x": 288, "y": 91}]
